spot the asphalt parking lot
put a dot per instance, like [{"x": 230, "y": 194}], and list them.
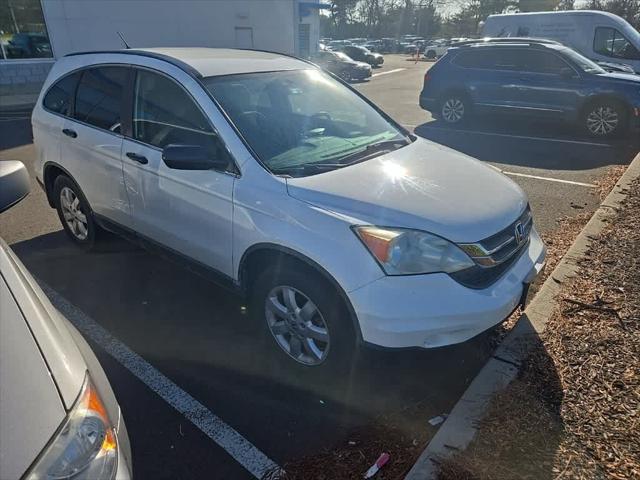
[{"x": 219, "y": 410}]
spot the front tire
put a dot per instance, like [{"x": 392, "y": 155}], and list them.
[
  {"x": 304, "y": 324},
  {"x": 74, "y": 212},
  {"x": 604, "y": 119}
]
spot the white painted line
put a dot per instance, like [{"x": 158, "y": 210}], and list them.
[
  {"x": 388, "y": 72},
  {"x": 549, "y": 179},
  {"x": 537, "y": 177},
  {"x": 243, "y": 451},
  {"x": 522, "y": 137}
]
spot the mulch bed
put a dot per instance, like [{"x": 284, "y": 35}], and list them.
[{"x": 574, "y": 411}]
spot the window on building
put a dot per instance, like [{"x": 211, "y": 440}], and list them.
[
  {"x": 99, "y": 97},
  {"x": 610, "y": 42},
  {"x": 23, "y": 33},
  {"x": 164, "y": 114},
  {"x": 58, "y": 98}
]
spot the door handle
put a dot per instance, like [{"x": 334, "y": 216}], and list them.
[
  {"x": 69, "y": 133},
  {"x": 137, "y": 158}
]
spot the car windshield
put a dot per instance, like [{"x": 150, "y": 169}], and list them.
[
  {"x": 580, "y": 61},
  {"x": 342, "y": 56},
  {"x": 303, "y": 122}
]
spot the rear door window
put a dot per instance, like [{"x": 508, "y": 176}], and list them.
[
  {"x": 99, "y": 97},
  {"x": 58, "y": 98},
  {"x": 610, "y": 42},
  {"x": 489, "y": 58}
]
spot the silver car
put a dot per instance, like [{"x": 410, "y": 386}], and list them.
[{"x": 59, "y": 417}]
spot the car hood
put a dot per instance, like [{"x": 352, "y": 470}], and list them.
[
  {"x": 31, "y": 409},
  {"x": 625, "y": 77},
  {"x": 424, "y": 186}
]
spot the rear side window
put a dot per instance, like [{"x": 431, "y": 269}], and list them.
[
  {"x": 58, "y": 98},
  {"x": 542, "y": 62},
  {"x": 494, "y": 58},
  {"x": 164, "y": 113},
  {"x": 99, "y": 97},
  {"x": 610, "y": 42}
]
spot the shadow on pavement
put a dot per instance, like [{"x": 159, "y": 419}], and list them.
[
  {"x": 199, "y": 335},
  {"x": 554, "y": 146},
  {"x": 15, "y": 133}
]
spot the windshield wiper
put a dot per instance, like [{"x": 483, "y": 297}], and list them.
[
  {"x": 305, "y": 167},
  {"x": 372, "y": 150}
]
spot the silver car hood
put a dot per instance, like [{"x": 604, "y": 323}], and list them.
[
  {"x": 424, "y": 186},
  {"x": 65, "y": 362}
]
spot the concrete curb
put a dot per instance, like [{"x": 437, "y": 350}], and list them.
[{"x": 461, "y": 426}]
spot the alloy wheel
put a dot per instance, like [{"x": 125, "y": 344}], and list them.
[
  {"x": 297, "y": 325},
  {"x": 453, "y": 110},
  {"x": 603, "y": 120},
  {"x": 72, "y": 213}
]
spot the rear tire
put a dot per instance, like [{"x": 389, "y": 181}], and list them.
[
  {"x": 605, "y": 119},
  {"x": 454, "y": 108},
  {"x": 430, "y": 55},
  {"x": 74, "y": 213},
  {"x": 313, "y": 342}
]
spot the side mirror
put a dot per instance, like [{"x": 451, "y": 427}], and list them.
[
  {"x": 14, "y": 183},
  {"x": 192, "y": 157},
  {"x": 567, "y": 73}
]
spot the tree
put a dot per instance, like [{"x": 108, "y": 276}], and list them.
[
  {"x": 537, "y": 5},
  {"x": 566, "y": 5}
]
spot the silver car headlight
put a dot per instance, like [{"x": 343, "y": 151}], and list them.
[
  {"x": 401, "y": 251},
  {"x": 85, "y": 448}
]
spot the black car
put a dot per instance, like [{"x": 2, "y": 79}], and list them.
[
  {"x": 342, "y": 65},
  {"x": 361, "y": 54},
  {"x": 531, "y": 78}
]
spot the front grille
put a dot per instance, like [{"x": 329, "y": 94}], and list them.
[{"x": 495, "y": 254}]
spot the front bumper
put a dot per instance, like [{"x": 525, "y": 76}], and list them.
[
  {"x": 434, "y": 310},
  {"x": 360, "y": 73}
]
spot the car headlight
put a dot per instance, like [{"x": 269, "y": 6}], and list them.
[
  {"x": 401, "y": 251},
  {"x": 85, "y": 448}
]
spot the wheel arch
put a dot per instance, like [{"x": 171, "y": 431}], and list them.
[
  {"x": 50, "y": 172},
  {"x": 601, "y": 97},
  {"x": 264, "y": 254}
]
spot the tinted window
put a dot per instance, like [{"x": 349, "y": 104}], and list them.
[
  {"x": 610, "y": 42},
  {"x": 99, "y": 97},
  {"x": 495, "y": 58},
  {"x": 542, "y": 62},
  {"x": 58, "y": 98},
  {"x": 164, "y": 113}
]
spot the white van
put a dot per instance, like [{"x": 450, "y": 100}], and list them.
[{"x": 600, "y": 36}]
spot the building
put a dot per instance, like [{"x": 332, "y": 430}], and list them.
[{"x": 33, "y": 33}]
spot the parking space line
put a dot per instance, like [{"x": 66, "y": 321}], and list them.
[
  {"x": 243, "y": 451},
  {"x": 538, "y": 177},
  {"x": 521, "y": 137},
  {"x": 387, "y": 72}
]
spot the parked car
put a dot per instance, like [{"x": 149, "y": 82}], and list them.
[
  {"x": 342, "y": 65},
  {"x": 58, "y": 415},
  {"x": 27, "y": 45},
  {"x": 264, "y": 172},
  {"x": 600, "y": 36},
  {"x": 436, "y": 49},
  {"x": 545, "y": 80},
  {"x": 361, "y": 54}
]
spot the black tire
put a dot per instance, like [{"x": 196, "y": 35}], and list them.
[
  {"x": 599, "y": 117},
  {"x": 342, "y": 346},
  {"x": 454, "y": 108},
  {"x": 87, "y": 242},
  {"x": 345, "y": 75},
  {"x": 431, "y": 54}
]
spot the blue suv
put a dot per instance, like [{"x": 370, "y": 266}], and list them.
[{"x": 535, "y": 78}]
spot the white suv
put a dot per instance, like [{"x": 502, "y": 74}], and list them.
[{"x": 283, "y": 182}]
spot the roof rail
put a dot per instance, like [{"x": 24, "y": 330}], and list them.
[
  {"x": 143, "y": 53},
  {"x": 490, "y": 40}
]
